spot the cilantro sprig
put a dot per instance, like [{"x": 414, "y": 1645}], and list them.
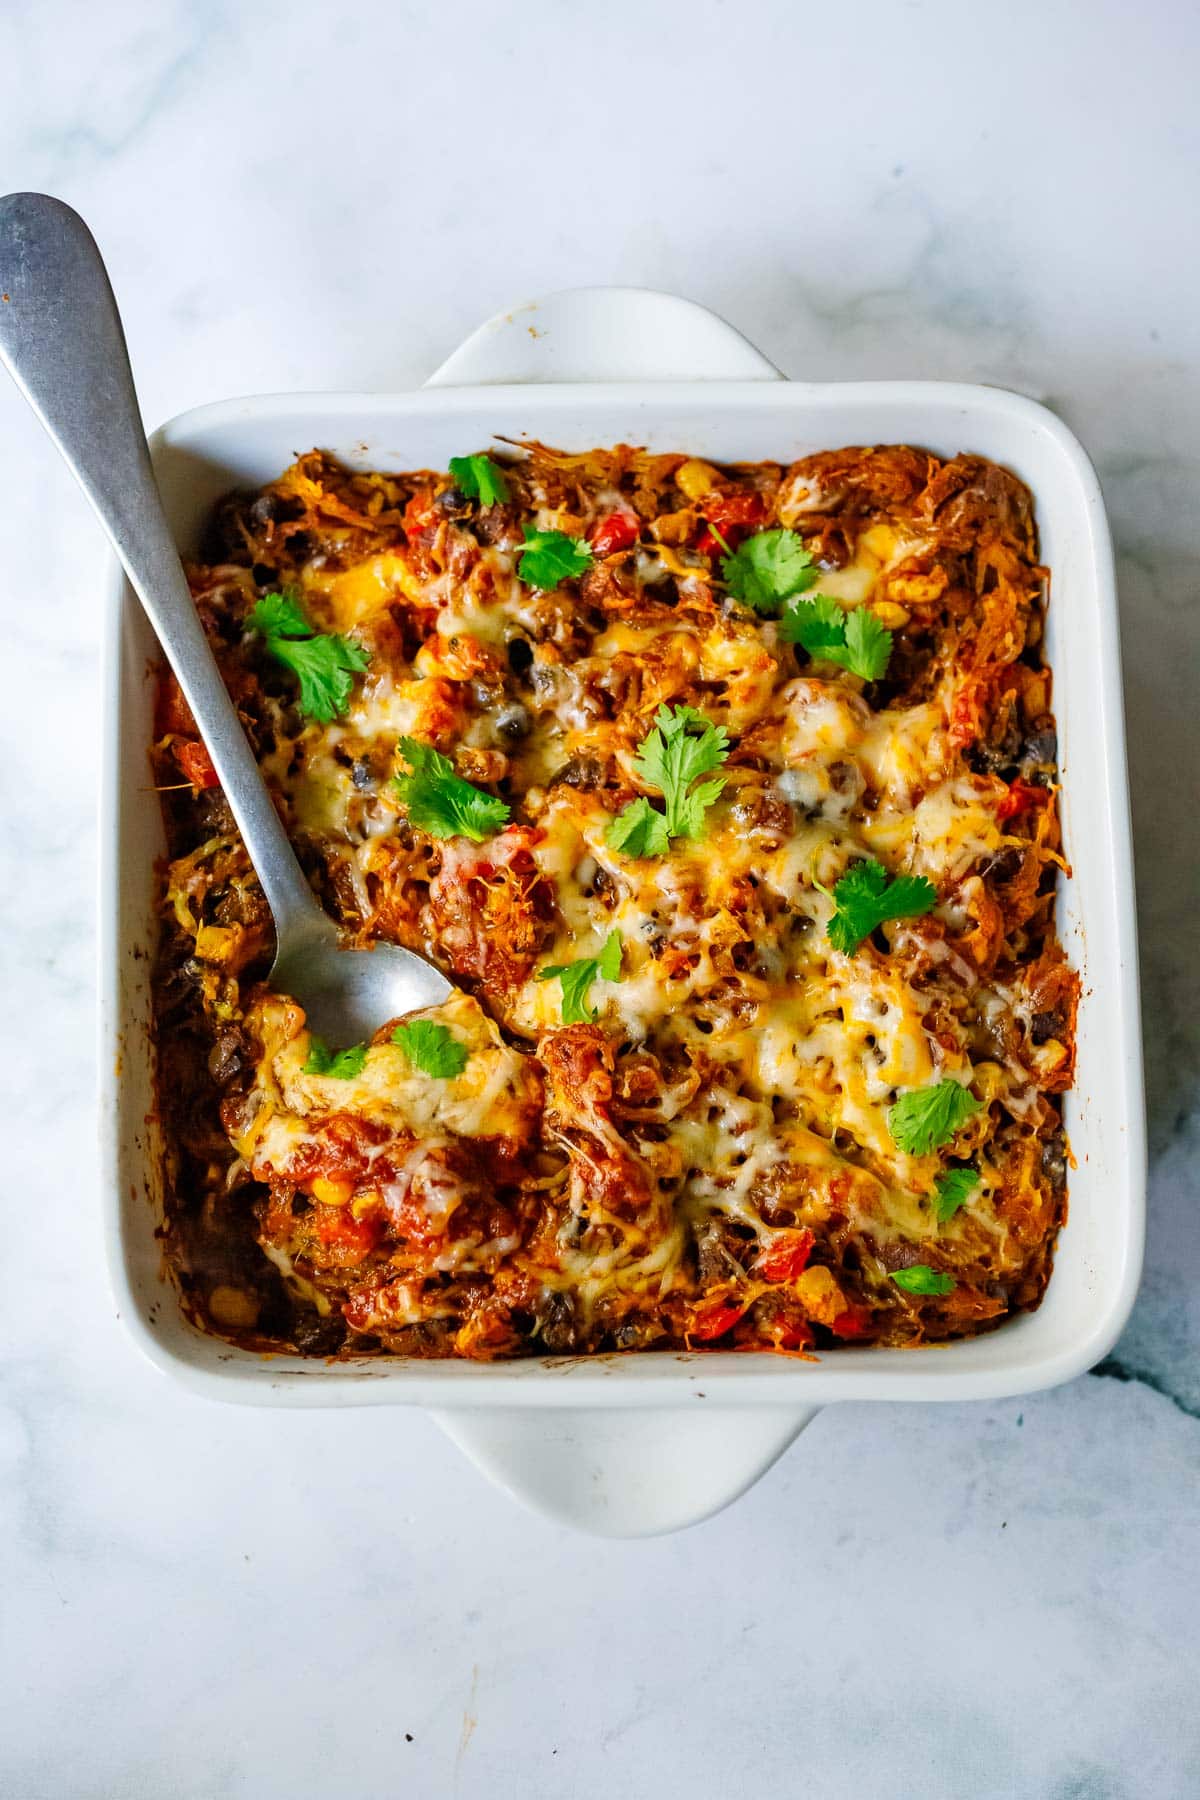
[
  {"x": 324, "y": 663},
  {"x": 682, "y": 746},
  {"x": 479, "y": 479},
  {"x": 919, "y": 1278},
  {"x": 952, "y": 1189},
  {"x": 854, "y": 640},
  {"x": 925, "y": 1118},
  {"x": 343, "y": 1065},
  {"x": 866, "y": 896},
  {"x": 576, "y": 978},
  {"x": 768, "y": 569},
  {"x": 431, "y": 1047},
  {"x": 442, "y": 803},
  {"x": 550, "y": 557}
]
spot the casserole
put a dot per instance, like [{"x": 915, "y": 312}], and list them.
[{"x": 629, "y": 1444}]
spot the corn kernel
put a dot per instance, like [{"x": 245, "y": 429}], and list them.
[
  {"x": 694, "y": 478},
  {"x": 820, "y": 1295},
  {"x": 332, "y": 1190},
  {"x": 880, "y": 540},
  {"x": 214, "y": 943},
  {"x": 233, "y": 1307},
  {"x": 919, "y": 590},
  {"x": 889, "y": 614}
]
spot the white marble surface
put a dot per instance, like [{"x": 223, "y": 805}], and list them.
[{"x": 961, "y": 1601}]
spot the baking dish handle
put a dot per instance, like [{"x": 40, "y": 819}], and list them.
[
  {"x": 612, "y": 334},
  {"x": 638, "y": 1471},
  {"x": 626, "y": 1472}
]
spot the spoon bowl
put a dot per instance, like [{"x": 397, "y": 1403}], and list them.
[{"x": 348, "y": 994}]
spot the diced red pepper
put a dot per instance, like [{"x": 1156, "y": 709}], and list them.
[
  {"x": 733, "y": 515},
  {"x": 716, "y": 1321},
  {"x": 616, "y": 531},
  {"x": 1020, "y": 797},
  {"x": 855, "y": 1322},
  {"x": 196, "y": 763},
  {"x": 786, "y": 1256}
]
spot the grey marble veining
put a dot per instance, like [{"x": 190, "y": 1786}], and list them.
[{"x": 987, "y": 1601}]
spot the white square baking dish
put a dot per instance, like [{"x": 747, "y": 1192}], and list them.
[{"x": 625, "y": 1444}]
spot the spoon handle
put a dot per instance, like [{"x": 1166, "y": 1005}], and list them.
[{"x": 62, "y": 343}]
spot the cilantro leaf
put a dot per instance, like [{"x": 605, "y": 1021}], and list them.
[
  {"x": 577, "y": 977},
  {"x": 479, "y": 479},
  {"x": 682, "y": 746},
  {"x": 325, "y": 668},
  {"x": 865, "y": 898},
  {"x": 768, "y": 569},
  {"x": 919, "y": 1278},
  {"x": 854, "y": 640},
  {"x": 927, "y": 1117},
  {"x": 442, "y": 803},
  {"x": 817, "y": 624},
  {"x": 344, "y": 1065},
  {"x": 431, "y": 1047},
  {"x": 688, "y": 816},
  {"x": 952, "y": 1189},
  {"x": 551, "y": 556},
  {"x": 638, "y": 830},
  {"x": 868, "y": 646},
  {"x": 324, "y": 663},
  {"x": 280, "y": 615}
]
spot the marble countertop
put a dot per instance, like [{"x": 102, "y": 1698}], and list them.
[{"x": 960, "y": 1601}]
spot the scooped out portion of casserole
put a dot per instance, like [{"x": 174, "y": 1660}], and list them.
[{"x": 726, "y": 796}]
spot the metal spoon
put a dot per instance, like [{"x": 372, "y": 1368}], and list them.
[{"x": 62, "y": 342}]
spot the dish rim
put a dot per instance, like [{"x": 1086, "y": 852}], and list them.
[{"x": 930, "y": 1373}]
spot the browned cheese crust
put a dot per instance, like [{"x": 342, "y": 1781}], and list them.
[{"x": 708, "y": 1161}]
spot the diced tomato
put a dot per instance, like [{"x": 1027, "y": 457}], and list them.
[
  {"x": 171, "y": 711},
  {"x": 346, "y": 1238},
  {"x": 967, "y": 712},
  {"x": 733, "y": 515},
  {"x": 196, "y": 763},
  {"x": 786, "y": 1256},
  {"x": 616, "y": 531},
  {"x": 420, "y": 515},
  {"x": 855, "y": 1322},
  {"x": 791, "y": 1334},
  {"x": 716, "y": 1321},
  {"x": 1020, "y": 797}
]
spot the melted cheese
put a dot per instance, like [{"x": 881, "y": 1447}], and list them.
[{"x": 726, "y": 963}]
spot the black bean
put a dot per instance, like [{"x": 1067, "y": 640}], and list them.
[
  {"x": 362, "y": 776},
  {"x": 555, "y": 1314},
  {"x": 317, "y": 1336},
  {"x": 514, "y": 722},
  {"x": 1004, "y": 865},
  {"x": 583, "y": 772},
  {"x": 452, "y": 502},
  {"x": 636, "y": 1334},
  {"x": 265, "y": 510},
  {"x": 520, "y": 655},
  {"x": 225, "y": 1057},
  {"x": 1040, "y": 747},
  {"x": 1054, "y": 1160},
  {"x": 1044, "y": 1026}
]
